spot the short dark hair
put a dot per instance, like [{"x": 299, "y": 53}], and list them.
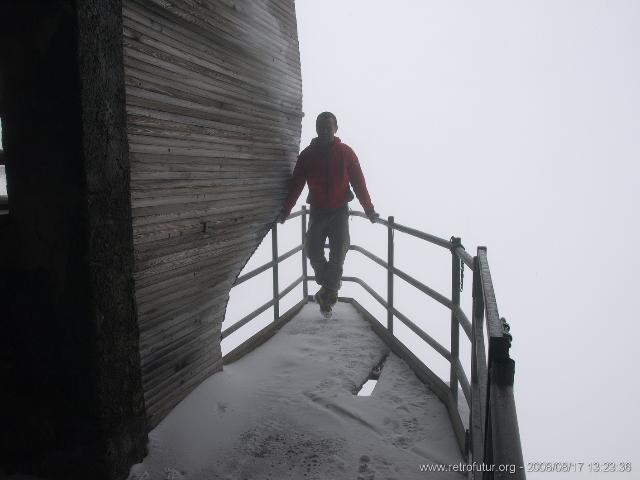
[{"x": 325, "y": 115}]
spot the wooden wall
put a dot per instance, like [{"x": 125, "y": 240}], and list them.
[{"x": 214, "y": 97}]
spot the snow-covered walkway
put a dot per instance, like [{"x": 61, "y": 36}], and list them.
[{"x": 287, "y": 411}]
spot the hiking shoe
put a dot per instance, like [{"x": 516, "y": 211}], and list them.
[
  {"x": 321, "y": 298},
  {"x": 331, "y": 297}
]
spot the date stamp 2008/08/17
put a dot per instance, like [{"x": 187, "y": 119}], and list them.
[{"x": 587, "y": 467}]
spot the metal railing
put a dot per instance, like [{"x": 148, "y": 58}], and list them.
[{"x": 492, "y": 439}]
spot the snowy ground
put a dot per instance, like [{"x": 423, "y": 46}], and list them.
[{"x": 288, "y": 411}]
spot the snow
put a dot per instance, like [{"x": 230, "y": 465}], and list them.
[{"x": 287, "y": 410}]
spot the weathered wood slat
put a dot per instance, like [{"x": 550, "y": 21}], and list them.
[
  {"x": 183, "y": 311},
  {"x": 164, "y": 253},
  {"x": 203, "y": 195},
  {"x": 159, "y": 374},
  {"x": 155, "y": 339},
  {"x": 152, "y": 45},
  {"x": 158, "y": 362},
  {"x": 150, "y": 127},
  {"x": 148, "y": 236},
  {"x": 253, "y": 45},
  {"x": 211, "y": 212},
  {"x": 186, "y": 293},
  {"x": 164, "y": 102},
  {"x": 195, "y": 237},
  {"x": 216, "y": 169},
  {"x": 198, "y": 283},
  {"x": 171, "y": 100},
  {"x": 225, "y": 150},
  {"x": 208, "y": 45},
  {"x": 190, "y": 282},
  {"x": 222, "y": 131},
  {"x": 158, "y": 408},
  {"x": 141, "y": 60},
  {"x": 204, "y": 204},
  {"x": 177, "y": 42},
  {"x": 214, "y": 301},
  {"x": 146, "y": 185},
  {"x": 163, "y": 392},
  {"x": 214, "y": 107},
  {"x": 232, "y": 39},
  {"x": 207, "y": 96}
]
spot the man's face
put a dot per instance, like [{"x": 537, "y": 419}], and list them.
[{"x": 326, "y": 128}]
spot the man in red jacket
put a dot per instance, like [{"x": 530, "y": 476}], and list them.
[{"x": 328, "y": 166}]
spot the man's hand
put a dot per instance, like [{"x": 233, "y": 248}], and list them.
[
  {"x": 373, "y": 216},
  {"x": 282, "y": 216}
]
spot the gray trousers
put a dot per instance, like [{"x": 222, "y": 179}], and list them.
[{"x": 334, "y": 225}]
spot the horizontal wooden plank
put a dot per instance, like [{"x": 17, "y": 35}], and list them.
[
  {"x": 158, "y": 337},
  {"x": 181, "y": 52},
  {"x": 199, "y": 282},
  {"x": 213, "y": 212},
  {"x": 208, "y": 149},
  {"x": 144, "y": 59},
  {"x": 183, "y": 311},
  {"x": 237, "y": 40},
  {"x": 206, "y": 281},
  {"x": 184, "y": 196},
  {"x": 183, "y": 298},
  {"x": 183, "y": 350},
  {"x": 221, "y": 130},
  {"x": 208, "y": 44},
  {"x": 166, "y": 102},
  {"x": 213, "y": 31},
  {"x": 170, "y": 388},
  {"x": 145, "y": 185},
  {"x": 205, "y": 204},
  {"x": 158, "y": 367},
  {"x": 150, "y": 127},
  {"x": 152, "y": 236},
  {"x": 223, "y": 255},
  {"x": 171, "y": 99},
  {"x": 163, "y": 369},
  {"x": 220, "y": 240},
  {"x": 193, "y": 273},
  {"x": 157, "y": 409},
  {"x": 213, "y": 92},
  {"x": 176, "y": 268},
  {"x": 224, "y": 150}
]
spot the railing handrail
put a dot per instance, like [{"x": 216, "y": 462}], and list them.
[
  {"x": 493, "y": 435},
  {"x": 408, "y": 230}
]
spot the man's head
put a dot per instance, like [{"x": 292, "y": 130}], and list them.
[{"x": 326, "y": 127}]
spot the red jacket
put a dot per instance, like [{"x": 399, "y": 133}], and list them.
[{"x": 328, "y": 170}]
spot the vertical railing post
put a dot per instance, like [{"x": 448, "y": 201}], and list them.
[
  {"x": 455, "y": 325},
  {"x": 274, "y": 256},
  {"x": 390, "y": 275},
  {"x": 305, "y": 286},
  {"x": 478, "y": 369}
]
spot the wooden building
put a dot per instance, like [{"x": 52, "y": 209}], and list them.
[
  {"x": 213, "y": 120},
  {"x": 148, "y": 145}
]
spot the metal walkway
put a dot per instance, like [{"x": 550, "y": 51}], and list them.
[{"x": 287, "y": 410}]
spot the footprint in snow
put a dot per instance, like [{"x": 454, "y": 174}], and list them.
[{"x": 365, "y": 471}]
